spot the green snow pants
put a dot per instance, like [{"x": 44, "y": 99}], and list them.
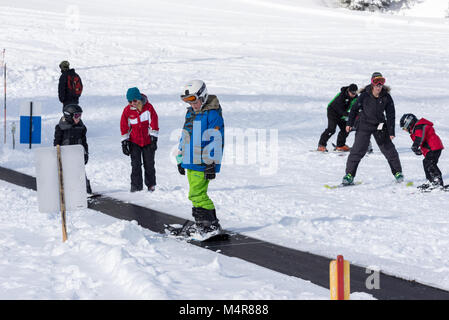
[{"x": 198, "y": 190}]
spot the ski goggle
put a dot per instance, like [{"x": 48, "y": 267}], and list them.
[
  {"x": 378, "y": 81},
  {"x": 191, "y": 98},
  {"x": 77, "y": 115}
]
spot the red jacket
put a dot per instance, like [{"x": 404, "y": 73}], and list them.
[
  {"x": 424, "y": 137},
  {"x": 139, "y": 126}
]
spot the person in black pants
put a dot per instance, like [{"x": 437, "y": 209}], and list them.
[
  {"x": 376, "y": 109},
  {"x": 139, "y": 126},
  {"x": 337, "y": 114}
]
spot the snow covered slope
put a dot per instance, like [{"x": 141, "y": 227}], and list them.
[{"x": 274, "y": 66}]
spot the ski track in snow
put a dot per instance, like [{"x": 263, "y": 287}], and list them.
[{"x": 271, "y": 68}]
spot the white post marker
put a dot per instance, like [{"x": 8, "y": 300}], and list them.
[{"x": 61, "y": 183}]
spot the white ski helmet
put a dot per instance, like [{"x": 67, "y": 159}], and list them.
[{"x": 193, "y": 90}]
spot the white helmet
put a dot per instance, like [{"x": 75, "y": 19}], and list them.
[{"x": 193, "y": 90}]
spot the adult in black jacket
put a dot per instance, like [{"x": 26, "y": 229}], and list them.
[
  {"x": 337, "y": 114},
  {"x": 71, "y": 130},
  {"x": 70, "y": 85},
  {"x": 376, "y": 111}
]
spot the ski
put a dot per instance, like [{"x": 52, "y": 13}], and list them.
[
  {"x": 341, "y": 185},
  {"x": 338, "y": 153},
  {"x": 429, "y": 190}
]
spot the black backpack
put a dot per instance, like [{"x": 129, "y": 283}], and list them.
[{"x": 74, "y": 84}]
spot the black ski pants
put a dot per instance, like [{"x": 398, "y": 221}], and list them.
[
  {"x": 332, "y": 122},
  {"x": 360, "y": 146},
  {"x": 430, "y": 164},
  {"x": 141, "y": 155}
]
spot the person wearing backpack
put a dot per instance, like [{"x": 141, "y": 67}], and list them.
[
  {"x": 200, "y": 153},
  {"x": 70, "y": 85}
]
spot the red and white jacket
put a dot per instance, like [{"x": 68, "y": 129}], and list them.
[
  {"x": 424, "y": 137},
  {"x": 139, "y": 126}
]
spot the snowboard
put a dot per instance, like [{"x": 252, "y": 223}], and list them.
[{"x": 182, "y": 232}]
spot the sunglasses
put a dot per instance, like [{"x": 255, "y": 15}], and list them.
[
  {"x": 131, "y": 101},
  {"x": 77, "y": 115},
  {"x": 191, "y": 98},
  {"x": 378, "y": 81}
]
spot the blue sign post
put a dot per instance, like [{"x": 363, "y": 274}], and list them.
[{"x": 30, "y": 125}]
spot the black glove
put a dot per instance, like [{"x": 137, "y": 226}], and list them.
[
  {"x": 416, "y": 150},
  {"x": 86, "y": 157},
  {"x": 181, "y": 170},
  {"x": 153, "y": 144},
  {"x": 125, "y": 147},
  {"x": 209, "y": 172}
]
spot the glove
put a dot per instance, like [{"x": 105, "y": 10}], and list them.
[
  {"x": 125, "y": 147},
  {"x": 416, "y": 150},
  {"x": 153, "y": 144},
  {"x": 86, "y": 157},
  {"x": 209, "y": 172},
  {"x": 181, "y": 170}
]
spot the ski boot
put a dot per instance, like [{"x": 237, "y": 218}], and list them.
[
  {"x": 344, "y": 148},
  {"x": 399, "y": 177},
  {"x": 321, "y": 148},
  {"x": 348, "y": 180}
]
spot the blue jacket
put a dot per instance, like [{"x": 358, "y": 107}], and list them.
[{"x": 202, "y": 138}]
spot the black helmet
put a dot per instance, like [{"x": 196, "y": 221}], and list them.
[
  {"x": 71, "y": 111},
  {"x": 408, "y": 121}
]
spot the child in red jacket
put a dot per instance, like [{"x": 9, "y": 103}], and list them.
[{"x": 427, "y": 143}]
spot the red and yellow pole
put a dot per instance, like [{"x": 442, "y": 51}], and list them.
[{"x": 339, "y": 279}]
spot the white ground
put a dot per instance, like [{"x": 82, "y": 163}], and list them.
[{"x": 274, "y": 66}]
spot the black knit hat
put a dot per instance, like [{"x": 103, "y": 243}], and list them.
[
  {"x": 64, "y": 65},
  {"x": 353, "y": 88},
  {"x": 376, "y": 75}
]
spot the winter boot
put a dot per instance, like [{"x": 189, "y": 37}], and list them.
[
  {"x": 348, "y": 179},
  {"x": 322, "y": 148},
  {"x": 345, "y": 148},
  {"x": 206, "y": 220},
  {"x": 399, "y": 177}
]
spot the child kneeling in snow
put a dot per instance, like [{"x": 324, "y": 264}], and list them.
[{"x": 427, "y": 143}]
